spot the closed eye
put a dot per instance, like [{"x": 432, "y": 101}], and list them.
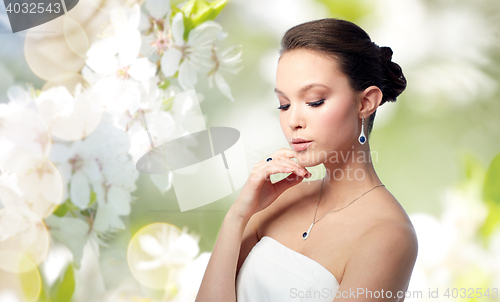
[
  {"x": 312, "y": 104},
  {"x": 316, "y": 104}
]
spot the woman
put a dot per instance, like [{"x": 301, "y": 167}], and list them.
[{"x": 297, "y": 240}]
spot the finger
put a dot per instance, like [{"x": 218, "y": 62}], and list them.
[
  {"x": 263, "y": 173},
  {"x": 299, "y": 170},
  {"x": 288, "y": 153}
]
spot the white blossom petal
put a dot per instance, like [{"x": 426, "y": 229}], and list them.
[
  {"x": 143, "y": 22},
  {"x": 119, "y": 200},
  {"x": 178, "y": 29},
  {"x": 187, "y": 75},
  {"x": 222, "y": 35},
  {"x": 170, "y": 61},
  {"x": 142, "y": 69},
  {"x": 151, "y": 245},
  {"x": 129, "y": 45},
  {"x": 223, "y": 86},
  {"x": 118, "y": 95},
  {"x": 149, "y": 265},
  {"x": 107, "y": 220},
  {"x": 158, "y": 8},
  {"x": 51, "y": 187},
  {"x": 101, "y": 56},
  {"x": 59, "y": 153},
  {"x": 134, "y": 17},
  {"x": 204, "y": 34},
  {"x": 185, "y": 247},
  {"x": 71, "y": 232},
  {"x": 80, "y": 190},
  {"x": 91, "y": 169},
  {"x": 19, "y": 95}
]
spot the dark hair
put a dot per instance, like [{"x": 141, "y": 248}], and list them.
[{"x": 364, "y": 62}]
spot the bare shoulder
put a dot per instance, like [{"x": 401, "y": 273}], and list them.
[
  {"x": 390, "y": 226},
  {"x": 383, "y": 257},
  {"x": 396, "y": 235}
]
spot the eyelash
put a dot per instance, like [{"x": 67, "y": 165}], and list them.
[{"x": 312, "y": 104}]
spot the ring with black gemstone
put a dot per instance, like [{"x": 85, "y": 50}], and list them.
[{"x": 269, "y": 159}]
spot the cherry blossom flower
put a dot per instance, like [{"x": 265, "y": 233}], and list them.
[
  {"x": 157, "y": 36},
  {"x": 168, "y": 249},
  {"x": 68, "y": 117},
  {"x": 195, "y": 54},
  {"x": 121, "y": 76},
  {"x": 27, "y": 178},
  {"x": 229, "y": 61},
  {"x": 101, "y": 164}
]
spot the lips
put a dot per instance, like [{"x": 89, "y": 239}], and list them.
[
  {"x": 299, "y": 140},
  {"x": 301, "y": 146}
]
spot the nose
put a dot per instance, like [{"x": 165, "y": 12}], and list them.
[{"x": 296, "y": 118}]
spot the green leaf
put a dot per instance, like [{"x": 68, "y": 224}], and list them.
[
  {"x": 164, "y": 84},
  {"x": 491, "y": 195},
  {"x": 188, "y": 26},
  {"x": 188, "y": 7},
  {"x": 63, "y": 289},
  {"x": 93, "y": 197},
  {"x": 30, "y": 284},
  {"x": 198, "y": 11},
  {"x": 175, "y": 10},
  {"x": 208, "y": 12},
  {"x": 491, "y": 221},
  {"x": 491, "y": 187},
  {"x": 61, "y": 210},
  {"x": 86, "y": 212}
]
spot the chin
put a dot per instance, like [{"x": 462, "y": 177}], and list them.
[{"x": 308, "y": 158}]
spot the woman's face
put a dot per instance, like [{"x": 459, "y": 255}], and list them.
[{"x": 303, "y": 77}]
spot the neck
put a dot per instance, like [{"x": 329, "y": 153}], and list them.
[{"x": 348, "y": 175}]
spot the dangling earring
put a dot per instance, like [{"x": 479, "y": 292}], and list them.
[{"x": 362, "y": 137}]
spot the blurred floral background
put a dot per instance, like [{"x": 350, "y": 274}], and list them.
[{"x": 79, "y": 223}]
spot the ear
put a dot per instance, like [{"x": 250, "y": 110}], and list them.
[{"x": 370, "y": 100}]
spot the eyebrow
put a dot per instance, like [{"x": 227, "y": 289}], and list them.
[{"x": 303, "y": 89}]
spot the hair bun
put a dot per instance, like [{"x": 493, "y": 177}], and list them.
[
  {"x": 395, "y": 80},
  {"x": 386, "y": 53}
]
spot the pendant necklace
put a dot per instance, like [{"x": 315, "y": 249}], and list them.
[{"x": 305, "y": 235}]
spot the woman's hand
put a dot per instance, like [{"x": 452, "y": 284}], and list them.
[{"x": 259, "y": 192}]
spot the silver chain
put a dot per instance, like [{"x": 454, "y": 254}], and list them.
[{"x": 340, "y": 208}]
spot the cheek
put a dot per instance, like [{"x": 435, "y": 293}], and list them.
[
  {"x": 283, "y": 123},
  {"x": 337, "y": 125}
]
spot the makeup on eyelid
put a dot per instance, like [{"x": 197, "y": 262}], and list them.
[{"x": 312, "y": 104}]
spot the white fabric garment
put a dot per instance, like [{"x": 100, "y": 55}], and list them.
[{"x": 273, "y": 272}]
